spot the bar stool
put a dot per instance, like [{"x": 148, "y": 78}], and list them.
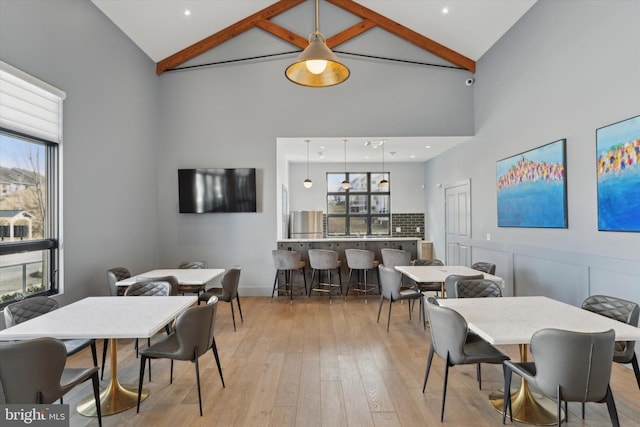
[
  {"x": 324, "y": 260},
  {"x": 361, "y": 260},
  {"x": 287, "y": 262}
]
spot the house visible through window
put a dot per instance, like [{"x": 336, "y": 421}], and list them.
[
  {"x": 363, "y": 209},
  {"x": 30, "y": 137}
]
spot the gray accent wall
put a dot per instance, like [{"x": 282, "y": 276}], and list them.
[{"x": 564, "y": 70}]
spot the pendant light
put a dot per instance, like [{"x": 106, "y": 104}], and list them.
[
  {"x": 345, "y": 184},
  {"x": 317, "y": 65},
  {"x": 383, "y": 184},
  {"x": 307, "y": 182}
]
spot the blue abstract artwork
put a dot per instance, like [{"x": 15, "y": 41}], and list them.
[
  {"x": 532, "y": 188},
  {"x": 618, "y": 154}
]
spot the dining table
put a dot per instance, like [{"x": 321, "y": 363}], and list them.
[
  {"x": 191, "y": 280},
  {"x": 112, "y": 317},
  {"x": 514, "y": 320},
  {"x": 439, "y": 273}
]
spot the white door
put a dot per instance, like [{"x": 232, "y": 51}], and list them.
[{"x": 458, "y": 223}]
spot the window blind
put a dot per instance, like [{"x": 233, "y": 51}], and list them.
[{"x": 30, "y": 106}]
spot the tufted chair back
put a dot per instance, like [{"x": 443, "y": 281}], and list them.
[
  {"x": 477, "y": 288},
  {"x": 149, "y": 288},
  {"x": 27, "y": 309}
]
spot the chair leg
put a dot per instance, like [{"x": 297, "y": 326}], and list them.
[
  {"x": 304, "y": 279},
  {"x": 214, "y": 348},
  {"x": 611, "y": 407},
  {"x": 105, "y": 344},
  {"x": 233, "y": 315},
  {"x": 389, "y": 317},
  {"x": 96, "y": 396},
  {"x": 444, "y": 388},
  {"x": 479, "y": 376},
  {"x": 426, "y": 372},
  {"x": 94, "y": 353},
  {"x": 559, "y": 404},
  {"x": 506, "y": 401},
  {"x": 140, "y": 381},
  {"x": 239, "y": 308},
  {"x": 380, "y": 308},
  {"x": 583, "y": 410},
  {"x": 636, "y": 369},
  {"x": 171, "y": 373},
  {"x": 195, "y": 354}
]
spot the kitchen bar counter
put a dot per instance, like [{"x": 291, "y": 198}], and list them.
[{"x": 339, "y": 244}]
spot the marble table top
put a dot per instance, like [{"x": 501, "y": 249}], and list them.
[
  {"x": 103, "y": 317},
  {"x": 185, "y": 276},
  {"x": 513, "y": 320},
  {"x": 438, "y": 273}
]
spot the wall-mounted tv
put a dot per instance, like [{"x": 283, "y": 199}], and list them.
[{"x": 217, "y": 190}]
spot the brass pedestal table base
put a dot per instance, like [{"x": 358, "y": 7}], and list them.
[
  {"x": 527, "y": 407},
  {"x": 115, "y": 397}
]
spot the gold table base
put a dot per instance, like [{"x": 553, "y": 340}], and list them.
[
  {"x": 115, "y": 397},
  {"x": 527, "y": 407}
]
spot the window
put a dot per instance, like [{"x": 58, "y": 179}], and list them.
[
  {"x": 30, "y": 137},
  {"x": 364, "y": 209}
]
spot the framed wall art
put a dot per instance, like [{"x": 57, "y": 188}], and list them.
[
  {"x": 618, "y": 173},
  {"x": 532, "y": 188}
]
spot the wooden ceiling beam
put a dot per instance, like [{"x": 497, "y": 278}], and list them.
[
  {"x": 225, "y": 34},
  {"x": 283, "y": 33},
  {"x": 349, "y": 33},
  {"x": 407, "y": 34}
]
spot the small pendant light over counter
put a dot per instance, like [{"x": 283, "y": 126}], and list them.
[
  {"x": 307, "y": 182},
  {"x": 383, "y": 184},
  {"x": 345, "y": 184}
]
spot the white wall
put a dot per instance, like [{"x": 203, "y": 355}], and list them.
[{"x": 566, "y": 69}]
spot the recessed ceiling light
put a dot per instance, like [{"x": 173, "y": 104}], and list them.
[
  {"x": 445, "y": 10},
  {"x": 412, "y": 156},
  {"x": 187, "y": 12},
  {"x": 366, "y": 157},
  {"x": 322, "y": 147},
  {"x": 427, "y": 146}
]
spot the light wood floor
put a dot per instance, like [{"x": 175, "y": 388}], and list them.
[{"x": 320, "y": 364}]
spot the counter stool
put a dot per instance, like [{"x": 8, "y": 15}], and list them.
[
  {"x": 286, "y": 263},
  {"x": 361, "y": 260},
  {"x": 324, "y": 260}
]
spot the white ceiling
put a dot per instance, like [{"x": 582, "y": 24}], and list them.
[{"x": 160, "y": 29}]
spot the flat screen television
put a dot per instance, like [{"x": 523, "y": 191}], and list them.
[{"x": 217, "y": 190}]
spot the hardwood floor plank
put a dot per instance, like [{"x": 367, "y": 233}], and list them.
[{"x": 312, "y": 363}]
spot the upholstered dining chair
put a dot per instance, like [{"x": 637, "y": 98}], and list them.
[
  {"x": 428, "y": 286},
  {"x": 33, "y": 372},
  {"x": 286, "y": 263},
  {"x": 450, "y": 283},
  {"x": 477, "y": 288},
  {"x": 485, "y": 267},
  {"x": 148, "y": 288},
  {"x": 451, "y": 341},
  {"x": 192, "y": 289},
  {"x": 623, "y": 311},
  {"x": 230, "y": 282},
  {"x": 193, "y": 337},
  {"x": 29, "y": 308},
  {"x": 569, "y": 367},
  {"x": 114, "y": 275},
  {"x": 394, "y": 257},
  {"x": 361, "y": 261},
  {"x": 390, "y": 282}
]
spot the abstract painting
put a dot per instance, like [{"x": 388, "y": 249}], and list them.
[
  {"x": 532, "y": 188},
  {"x": 618, "y": 172}
]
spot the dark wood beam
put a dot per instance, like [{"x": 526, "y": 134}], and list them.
[
  {"x": 407, "y": 34},
  {"x": 224, "y": 35}
]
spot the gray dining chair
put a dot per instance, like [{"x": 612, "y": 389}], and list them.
[
  {"x": 485, "y": 267},
  {"x": 230, "y": 282},
  {"x": 623, "y": 311},
  {"x": 450, "y": 283},
  {"x": 429, "y": 286},
  {"x": 193, "y": 337},
  {"x": 29, "y": 308},
  {"x": 114, "y": 275},
  {"x": 569, "y": 367},
  {"x": 190, "y": 265},
  {"x": 390, "y": 282},
  {"x": 477, "y": 288},
  {"x": 33, "y": 372},
  {"x": 451, "y": 341}
]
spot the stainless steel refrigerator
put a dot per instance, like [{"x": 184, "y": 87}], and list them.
[{"x": 305, "y": 225}]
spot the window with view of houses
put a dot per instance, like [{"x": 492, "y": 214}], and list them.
[{"x": 363, "y": 209}]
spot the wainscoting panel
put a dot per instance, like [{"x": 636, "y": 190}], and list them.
[{"x": 539, "y": 276}]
